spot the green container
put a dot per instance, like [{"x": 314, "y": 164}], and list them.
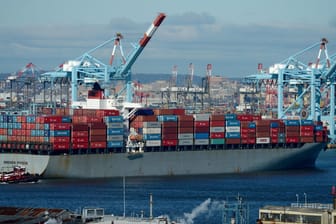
[{"x": 217, "y": 141}]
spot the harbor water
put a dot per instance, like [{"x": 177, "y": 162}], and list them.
[{"x": 190, "y": 199}]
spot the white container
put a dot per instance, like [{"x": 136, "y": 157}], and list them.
[
  {"x": 232, "y": 129},
  {"x": 217, "y": 129},
  {"x": 201, "y": 117},
  {"x": 185, "y": 141},
  {"x": 264, "y": 140},
  {"x": 186, "y": 136},
  {"x": 201, "y": 141},
  {"x": 151, "y": 130},
  {"x": 152, "y": 124},
  {"x": 153, "y": 143},
  {"x": 115, "y": 138}
]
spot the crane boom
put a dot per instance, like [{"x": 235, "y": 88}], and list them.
[{"x": 124, "y": 69}]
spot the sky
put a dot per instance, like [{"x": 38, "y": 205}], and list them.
[{"x": 233, "y": 36}]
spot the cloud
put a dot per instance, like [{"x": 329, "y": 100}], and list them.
[{"x": 233, "y": 49}]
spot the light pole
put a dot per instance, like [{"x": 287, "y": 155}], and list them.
[
  {"x": 297, "y": 200},
  {"x": 305, "y": 197}
]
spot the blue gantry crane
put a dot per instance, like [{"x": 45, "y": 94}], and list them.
[
  {"x": 87, "y": 69},
  {"x": 307, "y": 83}
]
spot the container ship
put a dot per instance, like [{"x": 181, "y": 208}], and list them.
[
  {"x": 100, "y": 143},
  {"x": 97, "y": 139}
]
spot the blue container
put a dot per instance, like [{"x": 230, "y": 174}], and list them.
[
  {"x": 9, "y": 131},
  {"x": 144, "y": 111},
  {"x": 66, "y": 119},
  {"x": 252, "y": 125},
  {"x": 307, "y": 122},
  {"x": 167, "y": 118},
  {"x": 152, "y": 137},
  {"x": 115, "y": 144},
  {"x": 318, "y": 128},
  {"x": 292, "y": 122},
  {"x": 230, "y": 117},
  {"x": 274, "y": 125},
  {"x": 232, "y": 134},
  {"x": 115, "y": 131},
  {"x": 60, "y": 133},
  {"x": 31, "y": 119},
  {"x": 110, "y": 119},
  {"x": 46, "y": 126},
  {"x": 202, "y": 135},
  {"x": 46, "y": 133},
  {"x": 233, "y": 123}
]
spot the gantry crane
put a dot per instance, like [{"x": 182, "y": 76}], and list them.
[
  {"x": 88, "y": 70},
  {"x": 309, "y": 80}
]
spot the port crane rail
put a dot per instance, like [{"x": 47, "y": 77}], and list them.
[
  {"x": 311, "y": 82},
  {"x": 87, "y": 69}
]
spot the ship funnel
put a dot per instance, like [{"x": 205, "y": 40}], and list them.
[{"x": 333, "y": 193}]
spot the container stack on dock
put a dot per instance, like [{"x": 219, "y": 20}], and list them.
[{"x": 185, "y": 130}]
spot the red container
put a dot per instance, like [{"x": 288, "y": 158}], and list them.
[
  {"x": 319, "y": 133},
  {"x": 248, "y": 140},
  {"x": 263, "y": 129},
  {"x": 80, "y": 139},
  {"x": 217, "y": 135},
  {"x": 98, "y": 145},
  {"x": 274, "y": 139},
  {"x": 169, "y": 130},
  {"x": 262, "y": 134},
  {"x": 217, "y": 117},
  {"x": 97, "y": 138},
  {"x": 179, "y": 111},
  {"x": 247, "y": 135},
  {"x": 256, "y": 117},
  {"x": 97, "y": 125},
  {"x": 217, "y": 123},
  {"x": 169, "y": 142},
  {"x": 59, "y": 139},
  {"x": 185, "y": 130},
  {"x": 185, "y": 124},
  {"x": 80, "y": 127},
  {"x": 80, "y": 134},
  {"x": 232, "y": 140},
  {"x": 82, "y": 145},
  {"x": 307, "y": 139},
  {"x": 95, "y": 119},
  {"x": 306, "y": 128},
  {"x": 98, "y": 132},
  {"x": 169, "y": 136},
  {"x": 60, "y": 126},
  {"x": 169, "y": 124},
  {"x": 61, "y": 146},
  {"x": 274, "y": 135},
  {"x": 292, "y": 139},
  {"x": 244, "y": 117},
  {"x": 292, "y": 133},
  {"x": 182, "y": 118},
  {"x": 306, "y": 133},
  {"x": 199, "y": 124},
  {"x": 266, "y": 123},
  {"x": 201, "y": 129}
]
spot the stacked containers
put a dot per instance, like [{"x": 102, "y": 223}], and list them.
[
  {"x": 292, "y": 129},
  {"x": 263, "y": 128},
  {"x": 80, "y": 136},
  {"x": 152, "y": 133},
  {"x": 307, "y": 131},
  {"x": 275, "y": 132},
  {"x": 248, "y": 132},
  {"x": 97, "y": 135},
  {"x": 114, "y": 131},
  {"x": 232, "y": 129},
  {"x": 217, "y": 129},
  {"x": 201, "y": 129},
  {"x": 60, "y": 135},
  {"x": 320, "y": 133},
  {"x": 168, "y": 129},
  {"x": 185, "y": 130}
]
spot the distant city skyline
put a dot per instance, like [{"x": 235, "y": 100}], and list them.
[{"x": 233, "y": 36}]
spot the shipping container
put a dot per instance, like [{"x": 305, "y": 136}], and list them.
[
  {"x": 201, "y": 141},
  {"x": 153, "y": 143},
  {"x": 185, "y": 141},
  {"x": 217, "y": 141}
]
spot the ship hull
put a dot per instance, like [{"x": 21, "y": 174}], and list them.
[{"x": 168, "y": 163}]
